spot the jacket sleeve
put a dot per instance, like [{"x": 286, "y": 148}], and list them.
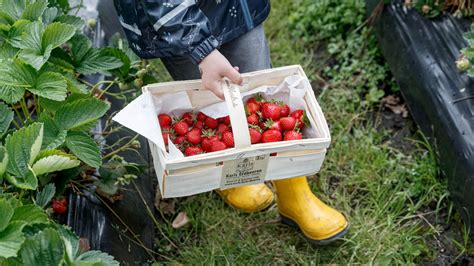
[{"x": 166, "y": 28}]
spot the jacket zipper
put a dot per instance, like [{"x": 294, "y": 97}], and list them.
[{"x": 246, "y": 12}]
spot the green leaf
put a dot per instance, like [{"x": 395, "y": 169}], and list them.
[
  {"x": 80, "y": 112},
  {"x": 46, "y": 195},
  {"x": 6, "y": 117},
  {"x": 30, "y": 214},
  {"x": 84, "y": 147},
  {"x": 11, "y": 239},
  {"x": 57, "y": 33},
  {"x": 70, "y": 240},
  {"x": 6, "y": 210},
  {"x": 80, "y": 46},
  {"x": 7, "y": 51},
  {"x": 96, "y": 61},
  {"x": 50, "y": 15},
  {"x": 124, "y": 70},
  {"x": 14, "y": 9},
  {"x": 34, "y": 10},
  {"x": 22, "y": 147},
  {"x": 15, "y": 34},
  {"x": 14, "y": 78},
  {"x": 50, "y": 85},
  {"x": 54, "y": 163},
  {"x": 77, "y": 22},
  {"x": 96, "y": 258},
  {"x": 45, "y": 248},
  {"x": 35, "y": 58},
  {"x": 3, "y": 161},
  {"x": 28, "y": 181},
  {"x": 53, "y": 137},
  {"x": 31, "y": 37}
]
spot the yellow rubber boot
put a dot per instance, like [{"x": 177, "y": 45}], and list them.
[
  {"x": 299, "y": 207},
  {"x": 252, "y": 198}
]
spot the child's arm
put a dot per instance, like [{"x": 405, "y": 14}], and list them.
[{"x": 160, "y": 28}]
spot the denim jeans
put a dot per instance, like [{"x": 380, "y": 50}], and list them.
[{"x": 249, "y": 52}]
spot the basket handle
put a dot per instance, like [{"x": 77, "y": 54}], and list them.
[{"x": 237, "y": 115}]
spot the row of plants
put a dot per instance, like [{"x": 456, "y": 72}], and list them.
[{"x": 47, "y": 112}]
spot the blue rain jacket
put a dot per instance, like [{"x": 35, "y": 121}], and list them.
[{"x": 168, "y": 28}]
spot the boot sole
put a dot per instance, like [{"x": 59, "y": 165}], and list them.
[{"x": 322, "y": 242}]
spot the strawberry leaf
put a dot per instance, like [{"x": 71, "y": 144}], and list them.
[
  {"x": 45, "y": 195},
  {"x": 50, "y": 85},
  {"x": 6, "y": 117},
  {"x": 34, "y": 10},
  {"x": 3, "y": 162},
  {"x": 97, "y": 61},
  {"x": 84, "y": 147},
  {"x": 56, "y": 34},
  {"x": 56, "y": 161},
  {"x": 44, "y": 248},
  {"x": 80, "y": 112},
  {"x": 23, "y": 146}
]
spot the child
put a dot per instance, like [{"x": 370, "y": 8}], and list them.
[{"x": 205, "y": 39}]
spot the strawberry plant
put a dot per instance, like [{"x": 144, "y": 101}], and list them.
[
  {"x": 466, "y": 59},
  {"x": 47, "y": 111}
]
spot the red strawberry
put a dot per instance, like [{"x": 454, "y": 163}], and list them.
[
  {"x": 293, "y": 135},
  {"x": 258, "y": 99},
  {"x": 208, "y": 137},
  {"x": 218, "y": 146},
  {"x": 226, "y": 120},
  {"x": 211, "y": 122},
  {"x": 288, "y": 123},
  {"x": 285, "y": 110},
  {"x": 59, "y": 205},
  {"x": 167, "y": 132},
  {"x": 188, "y": 118},
  {"x": 252, "y": 108},
  {"x": 228, "y": 139},
  {"x": 262, "y": 125},
  {"x": 270, "y": 124},
  {"x": 271, "y": 111},
  {"x": 194, "y": 136},
  {"x": 255, "y": 135},
  {"x": 164, "y": 120},
  {"x": 165, "y": 137},
  {"x": 198, "y": 124},
  {"x": 179, "y": 140},
  {"x": 300, "y": 117},
  {"x": 201, "y": 116},
  {"x": 271, "y": 135},
  {"x": 181, "y": 128},
  {"x": 252, "y": 119},
  {"x": 221, "y": 128},
  {"x": 193, "y": 150}
]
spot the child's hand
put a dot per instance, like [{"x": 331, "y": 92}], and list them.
[{"x": 214, "y": 67}]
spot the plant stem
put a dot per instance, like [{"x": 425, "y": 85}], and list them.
[
  {"x": 24, "y": 108},
  {"x": 107, "y": 88},
  {"x": 18, "y": 114},
  {"x": 123, "y": 148}
]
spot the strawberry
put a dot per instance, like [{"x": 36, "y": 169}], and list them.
[
  {"x": 211, "y": 122},
  {"x": 164, "y": 120},
  {"x": 300, "y": 117},
  {"x": 271, "y": 111},
  {"x": 270, "y": 124},
  {"x": 198, "y": 124},
  {"x": 226, "y": 120},
  {"x": 255, "y": 135},
  {"x": 201, "y": 117},
  {"x": 252, "y": 108},
  {"x": 189, "y": 118},
  {"x": 252, "y": 119},
  {"x": 165, "y": 137},
  {"x": 293, "y": 135},
  {"x": 262, "y": 126},
  {"x": 271, "y": 135},
  {"x": 181, "y": 128},
  {"x": 167, "y": 132},
  {"x": 228, "y": 139},
  {"x": 288, "y": 123},
  {"x": 221, "y": 128},
  {"x": 194, "y": 136},
  {"x": 59, "y": 205},
  {"x": 208, "y": 137},
  {"x": 179, "y": 140},
  {"x": 258, "y": 99},
  {"x": 193, "y": 150},
  {"x": 218, "y": 146},
  {"x": 285, "y": 110}
]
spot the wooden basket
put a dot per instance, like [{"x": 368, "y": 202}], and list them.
[{"x": 242, "y": 165}]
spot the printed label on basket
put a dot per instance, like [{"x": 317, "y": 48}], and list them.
[{"x": 246, "y": 171}]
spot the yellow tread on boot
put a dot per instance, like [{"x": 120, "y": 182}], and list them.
[
  {"x": 252, "y": 198},
  {"x": 299, "y": 207}
]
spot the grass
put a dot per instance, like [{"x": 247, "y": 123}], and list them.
[{"x": 386, "y": 193}]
